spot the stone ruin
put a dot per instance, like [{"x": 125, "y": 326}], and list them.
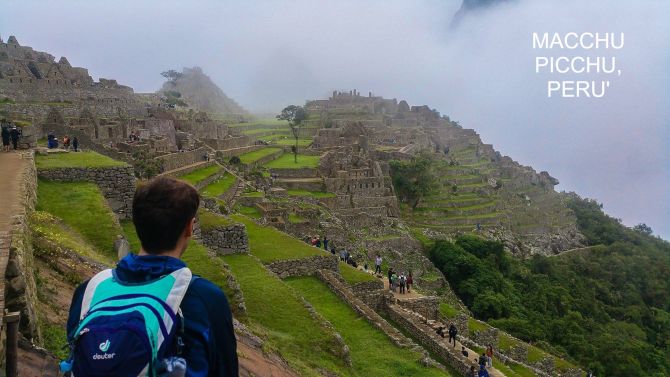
[{"x": 360, "y": 134}]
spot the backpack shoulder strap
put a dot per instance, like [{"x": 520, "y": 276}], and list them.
[{"x": 90, "y": 290}]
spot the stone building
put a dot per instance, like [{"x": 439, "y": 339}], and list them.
[{"x": 27, "y": 75}]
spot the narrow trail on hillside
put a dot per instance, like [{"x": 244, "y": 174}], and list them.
[
  {"x": 472, "y": 355},
  {"x": 11, "y": 166}
]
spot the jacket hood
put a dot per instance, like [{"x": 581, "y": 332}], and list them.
[{"x": 140, "y": 268}]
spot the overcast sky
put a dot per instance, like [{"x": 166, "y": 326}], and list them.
[{"x": 267, "y": 54}]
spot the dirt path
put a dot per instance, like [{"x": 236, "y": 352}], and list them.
[
  {"x": 11, "y": 166},
  {"x": 397, "y": 294}
]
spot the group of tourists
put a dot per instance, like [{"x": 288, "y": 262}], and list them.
[
  {"x": 485, "y": 361},
  {"x": 68, "y": 143},
  {"x": 317, "y": 242},
  {"x": 10, "y": 133},
  {"x": 400, "y": 283}
]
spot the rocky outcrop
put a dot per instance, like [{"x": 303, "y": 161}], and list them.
[{"x": 200, "y": 92}]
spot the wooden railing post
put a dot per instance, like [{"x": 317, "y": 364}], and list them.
[{"x": 12, "y": 348}]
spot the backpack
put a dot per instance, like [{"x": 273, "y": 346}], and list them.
[{"x": 128, "y": 329}]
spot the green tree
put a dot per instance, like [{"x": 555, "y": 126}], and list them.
[
  {"x": 145, "y": 166},
  {"x": 172, "y": 75},
  {"x": 294, "y": 115},
  {"x": 415, "y": 179},
  {"x": 643, "y": 228}
]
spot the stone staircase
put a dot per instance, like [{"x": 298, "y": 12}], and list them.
[
  {"x": 345, "y": 293},
  {"x": 425, "y": 332}
]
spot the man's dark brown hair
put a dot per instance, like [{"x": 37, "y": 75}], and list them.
[{"x": 161, "y": 210}]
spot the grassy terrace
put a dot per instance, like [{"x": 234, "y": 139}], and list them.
[
  {"x": 290, "y": 141},
  {"x": 75, "y": 160},
  {"x": 251, "y": 157},
  {"x": 294, "y": 218},
  {"x": 210, "y": 220},
  {"x": 220, "y": 186},
  {"x": 354, "y": 276},
  {"x": 252, "y": 212},
  {"x": 51, "y": 227},
  {"x": 312, "y": 194},
  {"x": 289, "y": 327},
  {"x": 257, "y": 131},
  {"x": 269, "y": 244},
  {"x": 262, "y": 122},
  {"x": 372, "y": 353},
  {"x": 286, "y": 161},
  {"x": 200, "y": 174},
  {"x": 82, "y": 207},
  {"x": 447, "y": 310}
]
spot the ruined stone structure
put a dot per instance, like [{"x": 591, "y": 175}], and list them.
[
  {"x": 229, "y": 239},
  {"x": 305, "y": 266},
  {"x": 350, "y": 172},
  {"x": 354, "y": 101},
  {"x": 109, "y": 118},
  {"x": 29, "y": 75},
  {"x": 481, "y": 188}
]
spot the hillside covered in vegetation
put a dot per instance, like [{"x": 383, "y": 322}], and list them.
[{"x": 607, "y": 306}]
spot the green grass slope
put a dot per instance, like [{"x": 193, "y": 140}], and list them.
[
  {"x": 198, "y": 175},
  {"x": 82, "y": 207},
  {"x": 75, "y": 160},
  {"x": 372, "y": 352},
  {"x": 276, "y": 311}
]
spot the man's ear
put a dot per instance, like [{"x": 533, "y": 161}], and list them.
[{"x": 188, "y": 232}]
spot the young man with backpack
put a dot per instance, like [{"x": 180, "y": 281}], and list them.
[{"x": 150, "y": 316}]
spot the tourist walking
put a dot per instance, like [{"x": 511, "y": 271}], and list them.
[
  {"x": 489, "y": 356},
  {"x": 325, "y": 243},
  {"x": 14, "y": 136},
  {"x": 5, "y": 137},
  {"x": 482, "y": 372},
  {"x": 453, "y": 331},
  {"x": 75, "y": 144},
  {"x": 410, "y": 281},
  {"x": 378, "y": 264},
  {"x": 390, "y": 273},
  {"x": 482, "y": 359},
  {"x": 66, "y": 142},
  {"x": 318, "y": 242},
  {"x": 394, "y": 282},
  {"x": 403, "y": 282}
]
